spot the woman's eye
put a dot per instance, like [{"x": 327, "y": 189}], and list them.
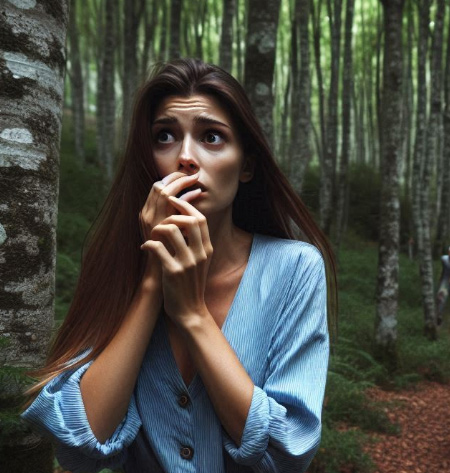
[
  {"x": 164, "y": 137},
  {"x": 214, "y": 138}
]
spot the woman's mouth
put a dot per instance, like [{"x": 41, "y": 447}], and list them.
[{"x": 191, "y": 188}]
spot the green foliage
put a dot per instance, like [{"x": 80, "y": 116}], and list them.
[{"x": 341, "y": 447}]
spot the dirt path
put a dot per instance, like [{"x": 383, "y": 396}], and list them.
[{"x": 423, "y": 445}]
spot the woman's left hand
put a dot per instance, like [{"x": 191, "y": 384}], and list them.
[{"x": 182, "y": 244}]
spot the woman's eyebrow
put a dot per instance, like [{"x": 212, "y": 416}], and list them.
[{"x": 199, "y": 119}]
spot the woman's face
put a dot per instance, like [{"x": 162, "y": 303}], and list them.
[{"x": 195, "y": 134}]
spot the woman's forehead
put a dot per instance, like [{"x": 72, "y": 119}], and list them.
[{"x": 193, "y": 105}]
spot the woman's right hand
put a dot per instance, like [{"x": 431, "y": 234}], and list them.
[{"x": 156, "y": 208}]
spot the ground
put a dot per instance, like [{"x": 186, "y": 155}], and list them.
[{"x": 423, "y": 445}]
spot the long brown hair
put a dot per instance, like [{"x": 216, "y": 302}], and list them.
[{"x": 113, "y": 263}]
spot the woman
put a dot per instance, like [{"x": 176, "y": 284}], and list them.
[{"x": 197, "y": 338}]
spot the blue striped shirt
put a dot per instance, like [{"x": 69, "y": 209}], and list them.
[{"x": 277, "y": 327}]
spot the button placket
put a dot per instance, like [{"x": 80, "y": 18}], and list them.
[
  {"x": 183, "y": 400},
  {"x": 187, "y": 453}
]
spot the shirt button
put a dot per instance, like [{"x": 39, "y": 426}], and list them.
[
  {"x": 187, "y": 453},
  {"x": 183, "y": 400}
]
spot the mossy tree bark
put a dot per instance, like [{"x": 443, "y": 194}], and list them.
[
  {"x": 391, "y": 109},
  {"x": 226, "y": 42},
  {"x": 32, "y": 63},
  {"x": 260, "y": 60},
  {"x": 300, "y": 152}
]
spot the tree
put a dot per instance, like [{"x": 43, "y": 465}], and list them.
[
  {"x": 347, "y": 88},
  {"x": 391, "y": 109},
  {"x": 32, "y": 63},
  {"x": 226, "y": 43},
  {"x": 260, "y": 59},
  {"x": 106, "y": 104},
  {"x": 76, "y": 81},
  {"x": 300, "y": 152},
  {"x": 328, "y": 168}
]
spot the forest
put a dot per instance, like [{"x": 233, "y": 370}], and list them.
[{"x": 354, "y": 99}]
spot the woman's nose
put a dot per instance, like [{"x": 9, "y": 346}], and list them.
[{"x": 186, "y": 160}]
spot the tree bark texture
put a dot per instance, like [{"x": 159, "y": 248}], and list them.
[
  {"x": 106, "y": 103},
  {"x": 328, "y": 168},
  {"x": 175, "y": 28},
  {"x": 76, "y": 81},
  {"x": 32, "y": 63},
  {"x": 434, "y": 121},
  {"x": 347, "y": 88},
  {"x": 132, "y": 15},
  {"x": 260, "y": 59},
  {"x": 226, "y": 41},
  {"x": 443, "y": 226},
  {"x": 421, "y": 120},
  {"x": 301, "y": 98},
  {"x": 392, "y": 107}
]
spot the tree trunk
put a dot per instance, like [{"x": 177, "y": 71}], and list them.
[
  {"x": 301, "y": 97},
  {"x": 32, "y": 62},
  {"x": 175, "y": 28},
  {"x": 260, "y": 59},
  {"x": 443, "y": 226},
  {"x": 316, "y": 20},
  {"x": 76, "y": 81},
  {"x": 391, "y": 109},
  {"x": 106, "y": 103},
  {"x": 226, "y": 41},
  {"x": 425, "y": 256},
  {"x": 347, "y": 88},
  {"x": 130, "y": 64}
]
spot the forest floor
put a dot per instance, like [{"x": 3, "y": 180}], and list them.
[{"x": 423, "y": 443}]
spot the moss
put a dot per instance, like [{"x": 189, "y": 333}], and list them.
[
  {"x": 20, "y": 43},
  {"x": 57, "y": 10},
  {"x": 12, "y": 88}
]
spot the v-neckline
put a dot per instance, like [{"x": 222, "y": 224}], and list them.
[{"x": 191, "y": 388}]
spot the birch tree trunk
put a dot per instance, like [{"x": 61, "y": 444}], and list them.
[
  {"x": 76, "y": 81},
  {"x": 391, "y": 109},
  {"x": 425, "y": 255},
  {"x": 32, "y": 62},
  {"x": 226, "y": 42},
  {"x": 328, "y": 168},
  {"x": 421, "y": 120},
  {"x": 443, "y": 227},
  {"x": 106, "y": 103},
  {"x": 347, "y": 88},
  {"x": 300, "y": 153},
  {"x": 260, "y": 59}
]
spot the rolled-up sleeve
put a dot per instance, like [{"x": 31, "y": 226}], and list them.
[
  {"x": 283, "y": 427},
  {"x": 59, "y": 411}
]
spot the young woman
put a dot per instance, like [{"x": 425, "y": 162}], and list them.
[{"x": 197, "y": 338}]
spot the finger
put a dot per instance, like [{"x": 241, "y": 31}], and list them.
[
  {"x": 177, "y": 185},
  {"x": 190, "y": 228},
  {"x": 185, "y": 208},
  {"x": 158, "y": 249},
  {"x": 173, "y": 235}
]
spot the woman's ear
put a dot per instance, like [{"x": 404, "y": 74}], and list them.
[{"x": 247, "y": 170}]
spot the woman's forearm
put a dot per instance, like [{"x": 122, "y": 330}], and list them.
[
  {"x": 228, "y": 385},
  {"x": 108, "y": 384}
]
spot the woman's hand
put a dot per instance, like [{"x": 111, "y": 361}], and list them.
[
  {"x": 182, "y": 245},
  {"x": 156, "y": 208}
]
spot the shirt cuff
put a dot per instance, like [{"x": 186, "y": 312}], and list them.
[
  {"x": 59, "y": 410},
  {"x": 263, "y": 414}
]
